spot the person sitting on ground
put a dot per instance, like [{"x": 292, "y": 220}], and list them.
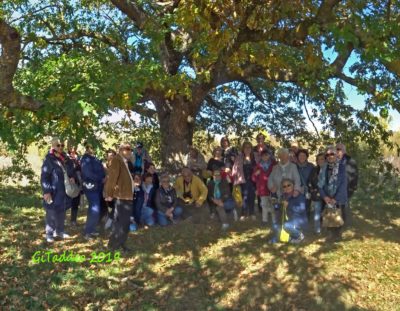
[
  {"x": 151, "y": 169},
  {"x": 260, "y": 176},
  {"x": 140, "y": 157},
  {"x": 332, "y": 186},
  {"x": 304, "y": 167},
  {"x": 144, "y": 200},
  {"x": 195, "y": 162},
  {"x": 220, "y": 196},
  {"x": 296, "y": 222},
  {"x": 166, "y": 203},
  {"x": 192, "y": 196}
]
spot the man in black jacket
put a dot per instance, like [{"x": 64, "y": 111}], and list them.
[{"x": 352, "y": 178}]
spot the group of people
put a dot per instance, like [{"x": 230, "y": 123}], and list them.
[{"x": 289, "y": 190}]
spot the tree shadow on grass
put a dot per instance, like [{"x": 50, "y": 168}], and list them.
[{"x": 185, "y": 267}]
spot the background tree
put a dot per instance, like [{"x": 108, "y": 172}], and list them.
[{"x": 197, "y": 64}]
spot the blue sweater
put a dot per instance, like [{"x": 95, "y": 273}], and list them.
[{"x": 92, "y": 171}]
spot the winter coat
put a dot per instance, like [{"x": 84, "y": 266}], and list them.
[
  {"x": 93, "y": 172},
  {"x": 261, "y": 180},
  {"x": 52, "y": 181}
]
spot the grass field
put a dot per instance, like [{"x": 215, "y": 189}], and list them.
[{"x": 197, "y": 267}]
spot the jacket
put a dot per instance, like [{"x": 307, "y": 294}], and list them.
[
  {"x": 224, "y": 188},
  {"x": 138, "y": 202},
  {"x": 261, "y": 179},
  {"x": 304, "y": 173},
  {"x": 197, "y": 188},
  {"x": 313, "y": 184},
  {"x": 296, "y": 210},
  {"x": 351, "y": 173},
  {"x": 279, "y": 172},
  {"x": 119, "y": 183},
  {"x": 341, "y": 195},
  {"x": 52, "y": 181},
  {"x": 92, "y": 172},
  {"x": 162, "y": 201}
]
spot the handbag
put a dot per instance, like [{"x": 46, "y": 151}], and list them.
[
  {"x": 237, "y": 195},
  {"x": 284, "y": 236},
  {"x": 71, "y": 189},
  {"x": 332, "y": 217}
]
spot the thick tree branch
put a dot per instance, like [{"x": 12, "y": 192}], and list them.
[
  {"x": 133, "y": 11},
  {"x": 10, "y": 44}
]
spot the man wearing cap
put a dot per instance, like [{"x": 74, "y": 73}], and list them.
[
  {"x": 352, "y": 177},
  {"x": 140, "y": 157},
  {"x": 119, "y": 187}
]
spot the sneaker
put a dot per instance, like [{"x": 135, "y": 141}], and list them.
[
  {"x": 225, "y": 226},
  {"x": 49, "y": 239},
  {"x": 89, "y": 237},
  {"x": 235, "y": 215},
  {"x": 298, "y": 240},
  {"x": 61, "y": 236},
  {"x": 132, "y": 227},
  {"x": 242, "y": 218},
  {"x": 108, "y": 224}
]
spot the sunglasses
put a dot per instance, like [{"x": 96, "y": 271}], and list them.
[
  {"x": 338, "y": 149},
  {"x": 330, "y": 154},
  {"x": 127, "y": 149},
  {"x": 60, "y": 145},
  {"x": 286, "y": 186}
]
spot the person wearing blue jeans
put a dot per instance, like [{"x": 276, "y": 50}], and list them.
[
  {"x": 144, "y": 200},
  {"x": 295, "y": 205},
  {"x": 314, "y": 191},
  {"x": 220, "y": 196},
  {"x": 166, "y": 203},
  {"x": 93, "y": 176}
]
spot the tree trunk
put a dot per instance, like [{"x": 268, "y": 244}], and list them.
[{"x": 176, "y": 119}]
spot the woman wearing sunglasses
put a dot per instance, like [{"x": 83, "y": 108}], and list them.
[
  {"x": 332, "y": 184},
  {"x": 55, "y": 199},
  {"x": 295, "y": 221}
]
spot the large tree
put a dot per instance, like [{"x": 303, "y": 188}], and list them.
[{"x": 190, "y": 63}]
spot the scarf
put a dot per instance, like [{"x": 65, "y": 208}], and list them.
[
  {"x": 58, "y": 155},
  {"x": 265, "y": 165},
  {"x": 328, "y": 177},
  {"x": 283, "y": 168}
]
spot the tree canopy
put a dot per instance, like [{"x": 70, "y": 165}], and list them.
[{"x": 223, "y": 66}]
